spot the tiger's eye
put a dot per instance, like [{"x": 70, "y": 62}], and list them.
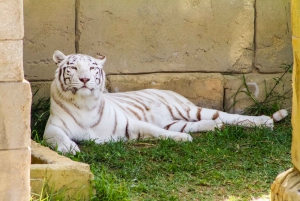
[
  {"x": 92, "y": 68},
  {"x": 73, "y": 67}
]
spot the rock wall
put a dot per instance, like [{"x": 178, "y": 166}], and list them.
[
  {"x": 208, "y": 38},
  {"x": 15, "y": 103}
]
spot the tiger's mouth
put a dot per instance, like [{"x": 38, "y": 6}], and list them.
[{"x": 85, "y": 87}]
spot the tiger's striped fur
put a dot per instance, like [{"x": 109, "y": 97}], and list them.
[{"x": 80, "y": 110}]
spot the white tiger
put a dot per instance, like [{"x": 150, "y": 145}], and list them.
[{"x": 81, "y": 111}]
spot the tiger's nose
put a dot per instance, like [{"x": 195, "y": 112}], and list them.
[{"x": 84, "y": 80}]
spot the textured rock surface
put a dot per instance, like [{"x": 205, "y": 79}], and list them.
[
  {"x": 15, "y": 104},
  {"x": 60, "y": 173},
  {"x": 11, "y": 60},
  {"x": 257, "y": 84},
  {"x": 11, "y": 18},
  {"x": 40, "y": 90},
  {"x": 14, "y": 174},
  {"x": 273, "y": 35},
  {"x": 205, "y": 90},
  {"x": 159, "y": 36},
  {"x": 296, "y": 85},
  {"x": 49, "y": 25},
  {"x": 286, "y": 186}
]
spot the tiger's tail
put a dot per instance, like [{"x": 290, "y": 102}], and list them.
[{"x": 279, "y": 115}]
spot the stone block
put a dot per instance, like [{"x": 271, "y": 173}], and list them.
[
  {"x": 273, "y": 35},
  {"x": 11, "y": 18},
  {"x": 259, "y": 85},
  {"x": 11, "y": 60},
  {"x": 51, "y": 171},
  {"x": 168, "y": 36},
  {"x": 15, "y": 103},
  {"x": 295, "y": 4},
  {"x": 14, "y": 174},
  {"x": 49, "y": 25},
  {"x": 286, "y": 186},
  {"x": 204, "y": 90},
  {"x": 296, "y": 90},
  {"x": 40, "y": 90}
]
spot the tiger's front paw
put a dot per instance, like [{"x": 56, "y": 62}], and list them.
[{"x": 68, "y": 148}]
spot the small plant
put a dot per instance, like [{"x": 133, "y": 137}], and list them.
[
  {"x": 40, "y": 111},
  {"x": 272, "y": 102},
  {"x": 47, "y": 194}
]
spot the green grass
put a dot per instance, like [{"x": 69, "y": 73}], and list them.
[{"x": 234, "y": 163}]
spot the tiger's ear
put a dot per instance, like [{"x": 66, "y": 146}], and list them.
[
  {"x": 58, "y": 56},
  {"x": 100, "y": 58}
]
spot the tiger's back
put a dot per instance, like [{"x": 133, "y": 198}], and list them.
[{"x": 157, "y": 107}]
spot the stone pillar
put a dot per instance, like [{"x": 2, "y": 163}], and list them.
[
  {"x": 287, "y": 184},
  {"x": 15, "y": 102},
  {"x": 296, "y": 84}
]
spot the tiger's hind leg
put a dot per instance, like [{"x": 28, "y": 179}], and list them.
[
  {"x": 197, "y": 126},
  {"x": 142, "y": 130},
  {"x": 197, "y": 119},
  {"x": 237, "y": 119}
]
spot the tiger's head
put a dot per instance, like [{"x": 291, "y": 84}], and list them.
[{"x": 79, "y": 74}]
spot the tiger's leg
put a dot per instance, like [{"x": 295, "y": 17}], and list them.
[
  {"x": 141, "y": 130},
  {"x": 236, "y": 119},
  {"x": 57, "y": 138},
  {"x": 197, "y": 126}
]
